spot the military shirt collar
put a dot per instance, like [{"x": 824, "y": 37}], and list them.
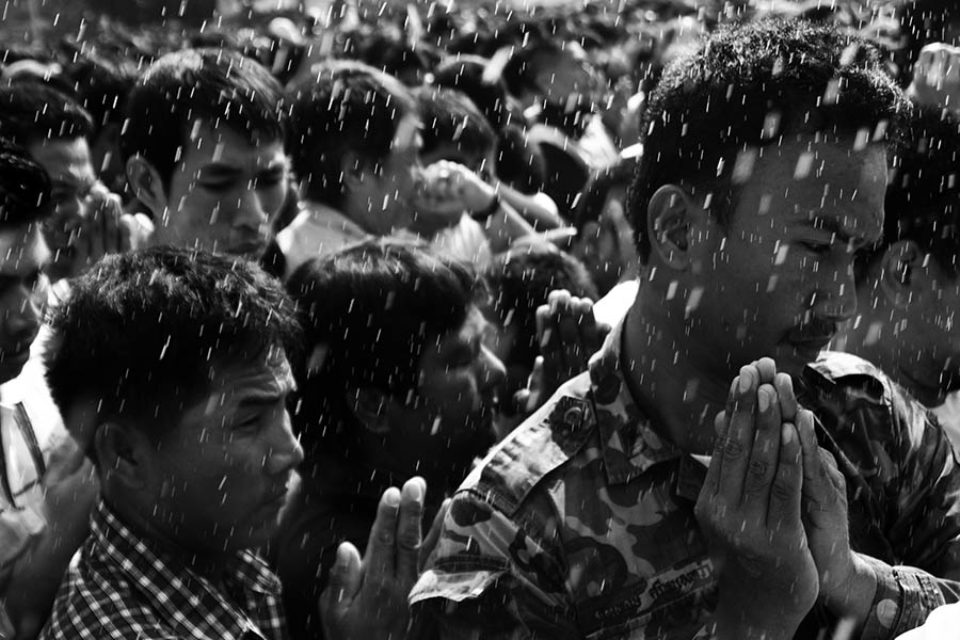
[{"x": 628, "y": 443}]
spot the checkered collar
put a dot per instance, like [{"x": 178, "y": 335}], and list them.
[{"x": 245, "y": 604}]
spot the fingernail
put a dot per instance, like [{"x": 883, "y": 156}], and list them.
[
  {"x": 763, "y": 399},
  {"x": 342, "y": 556},
  {"x": 392, "y": 497},
  {"x": 416, "y": 490},
  {"x": 744, "y": 383},
  {"x": 787, "y": 434}
]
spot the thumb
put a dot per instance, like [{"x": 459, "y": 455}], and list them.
[{"x": 343, "y": 585}]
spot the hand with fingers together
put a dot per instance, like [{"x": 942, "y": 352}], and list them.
[
  {"x": 848, "y": 583},
  {"x": 367, "y": 599},
  {"x": 749, "y": 510},
  {"x": 936, "y": 77},
  {"x": 102, "y": 228},
  {"x": 568, "y": 334}
]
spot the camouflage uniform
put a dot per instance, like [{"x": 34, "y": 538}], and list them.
[{"x": 580, "y": 524}]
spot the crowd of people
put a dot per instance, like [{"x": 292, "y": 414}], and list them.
[{"x": 461, "y": 322}]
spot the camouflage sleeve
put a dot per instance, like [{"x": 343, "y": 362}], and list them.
[
  {"x": 924, "y": 530},
  {"x": 487, "y": 578}
]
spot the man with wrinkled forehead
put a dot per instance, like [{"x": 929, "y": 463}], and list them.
[
  {"x": 170, "y": 368},
  {"x": 653, "y": 498}
]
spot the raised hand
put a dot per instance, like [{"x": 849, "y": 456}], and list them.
[
  {"x": 847, "y": 583},
  {"x": 451, "y": 188},
  {"x": 936, "y": 77},
  {"x": 367, "y": 599},
  {"x": 568, "y": 334},
  {"x": 749, "y": 510}
]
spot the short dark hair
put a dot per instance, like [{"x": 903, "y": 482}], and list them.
[
  {"x": 374, "y": 306},
  {"x": 24, "y": 188},
  {"x": 344, "y": 106},
  {"x": 466, "y": 73},
  {"x": 521, "y": 280},
  {"x": 923, "y": 198},
  {"x": 142, "y": 331},
  {"x": 520, "y": 72},
  {"x": 216, "y": 84},
  {"x": 102, "y": 87},
  {"x": 450, "y": 117},
  {"x": 520, "y": 162},
  {"x": 31, "y": 111},
  {"x": 748, "y": 85}
]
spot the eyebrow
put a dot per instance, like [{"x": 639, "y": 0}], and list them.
[
  {"x": 220, "y": 169},
  {"x": 263, "y": 399},
  {"x": 833, "y": 226}
]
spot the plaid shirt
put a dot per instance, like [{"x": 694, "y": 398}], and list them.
[
  {"x": 581, "y": 525},
  {"x": 118, "y": 586}
]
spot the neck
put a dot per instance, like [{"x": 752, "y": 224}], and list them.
[
  {"x": 680, "y": 397},
  {"x": 207, "y": 562}
]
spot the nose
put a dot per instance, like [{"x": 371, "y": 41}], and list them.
[
  {"x": 22, "y": 319},
  {"x": 284, "y": 453},
  {"x": 492, "y": 372},
  {"x": 836, "y": 299},
  {"x": 250, "y": 213}
]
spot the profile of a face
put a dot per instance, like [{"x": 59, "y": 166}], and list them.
[
  {"x": 777, "y": 279},
  {"x": 221, "y": 477}
]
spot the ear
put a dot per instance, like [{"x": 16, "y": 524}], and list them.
[
  {"x": 123, "y": 454},
  {"x": 353, "y": 169},
  {"x": 902, "y": 276},
  {"x": 146, "y": 185},
  {"x": 370, "y": 407},
  {"x": 672, "y": 218}
]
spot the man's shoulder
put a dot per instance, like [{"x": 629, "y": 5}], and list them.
[
  {"x": 838, "y": 373},
  {"x": 541, "y": 445},
  {"x": 97, "y": 599}
]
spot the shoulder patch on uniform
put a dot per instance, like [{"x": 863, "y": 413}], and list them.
[
  {"x": 833, "y": 366},
  {"x": 542, "y": 444}
]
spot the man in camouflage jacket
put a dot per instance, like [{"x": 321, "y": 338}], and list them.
[{"x": 592, "y": 519}]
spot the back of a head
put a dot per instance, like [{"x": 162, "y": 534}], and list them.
[
  {"x": 24, "y": 188},
  {"x": 102, "y": 87},
  {"x": 520, "y": 71},
  {"x": 923, "y": 198},
  {"x": 31, "y": 111},
  {"x": 468, "y": 74},
  {"x": 142, "y": 335},
  {"x": 450, "y": 118},
  {"x": 749, "y": 86},
  {"x": 218, "y": 86},
  {"x": 343, "y": 107}
]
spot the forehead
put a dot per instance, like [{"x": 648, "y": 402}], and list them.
[
  {"x": 208, "y": 144},
  {"x": 796, "y": 182},
  {"x": 62, "y": 156},
  {"x": 473, "y": 327},
  {"x": 269, "y": 373},
  {"x": 22, "y": 250}
]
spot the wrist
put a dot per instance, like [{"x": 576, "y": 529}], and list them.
[
  {"x": 853, "y": 596},
  {"x": 741, "y": 625},
  {"x": 492, "y": 208}
]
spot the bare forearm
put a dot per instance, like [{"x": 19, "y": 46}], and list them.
[
  {"x": 505, "y": 227},
  {"x": 537, "y": 214}
]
